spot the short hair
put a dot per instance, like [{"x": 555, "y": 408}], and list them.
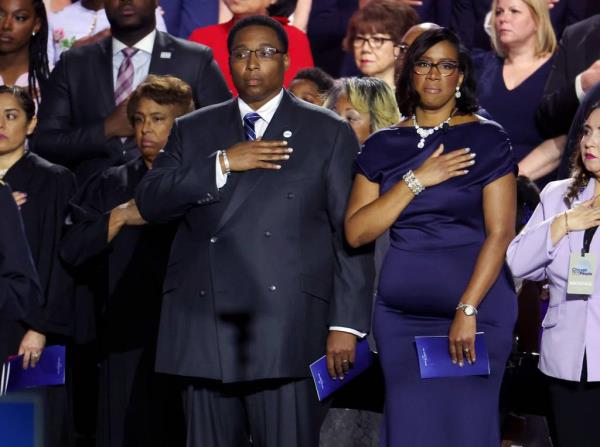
[
  {"x": 381, "y": 16},
  {"x": 545, "y": 37},
  {"x": 407, "y": 96},
  {"x": 259, "y": 21},
  {"x": 321, "y": 79},
  {"x": 367, "y": 95},
  {"x": 23, "y": 97},
  {"x": 163, "y": 90}
]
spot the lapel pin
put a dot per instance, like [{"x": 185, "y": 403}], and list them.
[
  {"x": 165, "y": 55},
  {"x": 287, "y": 134}
]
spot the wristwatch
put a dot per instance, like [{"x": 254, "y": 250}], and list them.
[{"x": 467, "y": 309}]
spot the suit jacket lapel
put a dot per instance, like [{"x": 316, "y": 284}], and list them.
[
  {"x": 161, "y": 62},
  {"x": 104, "y": 69},
  {"x": 248, "y": 180}
]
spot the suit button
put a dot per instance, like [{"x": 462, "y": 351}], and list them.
[
  {"x": 213, "y": 239},
  {"x": 272, "y": 288},
  {"x": 291, "y": 195},
  {"x": 202, "y": 293},
  {"x": 267, "y": 234}
]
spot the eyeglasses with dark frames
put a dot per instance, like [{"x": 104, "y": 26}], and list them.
[
  {"x": 444, "y": 68},
  {"x": 262, "y": 53},
  {"x": 374, "y": 41}
]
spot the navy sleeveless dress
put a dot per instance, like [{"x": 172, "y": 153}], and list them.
[{"x": 433, "y": 249}]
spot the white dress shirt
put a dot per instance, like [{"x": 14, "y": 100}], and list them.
[
  {"x": 266, "y": 113},
  {"x": 141, "y": 59},
  {"x": 75, "y": 22}
]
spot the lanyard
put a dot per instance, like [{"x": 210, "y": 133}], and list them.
[{"x": 587, "y": 240}]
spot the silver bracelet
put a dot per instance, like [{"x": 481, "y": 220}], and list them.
[
  {"x": 413, "y": 183},
  {"x": 226, "y": 163}
]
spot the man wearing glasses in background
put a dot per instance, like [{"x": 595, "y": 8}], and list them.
[{"x": 260, "y": 282}]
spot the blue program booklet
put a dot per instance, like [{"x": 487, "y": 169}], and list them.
[
  {"x": 435, "y": 361},
  {"x": 50, "y": 370},
  {"x": 325, "y": 385}
]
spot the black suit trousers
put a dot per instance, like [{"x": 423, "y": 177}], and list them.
[{"x": 266, "y": 413}]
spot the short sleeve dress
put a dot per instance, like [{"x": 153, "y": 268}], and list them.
[{"x": 434, "y": 246}]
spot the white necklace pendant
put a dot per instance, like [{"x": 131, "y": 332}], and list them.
[{"x": 424, "y": 133}]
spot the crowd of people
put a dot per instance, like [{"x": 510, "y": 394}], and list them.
[{"x": 199, "y": 210}]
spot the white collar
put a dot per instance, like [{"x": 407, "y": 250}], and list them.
[
  {"x": 266, "y": 111},
  {"x": 146, "y": 44}
]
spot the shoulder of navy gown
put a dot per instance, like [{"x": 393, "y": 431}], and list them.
[
  {"x": 379, "y": 149},
  {"x": 495, "y": 157}
]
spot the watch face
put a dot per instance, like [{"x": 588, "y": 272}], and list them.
[{"x": 468, "y": 310}]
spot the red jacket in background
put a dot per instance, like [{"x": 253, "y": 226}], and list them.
[{"x": 215, "y": 37}]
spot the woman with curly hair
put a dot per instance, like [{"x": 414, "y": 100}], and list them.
[{"x": 558, "y": 244}]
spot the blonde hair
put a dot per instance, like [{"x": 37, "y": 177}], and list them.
[
  {"x": 545, "y": 38},
  {"x": 367, "y": 95}
]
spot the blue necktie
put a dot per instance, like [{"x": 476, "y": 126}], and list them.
[{"x": 249, "y": 120}]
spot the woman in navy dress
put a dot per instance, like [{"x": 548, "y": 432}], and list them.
[
  {"x": 511, "y": 78},
  {"x": 450, "y": 222}
]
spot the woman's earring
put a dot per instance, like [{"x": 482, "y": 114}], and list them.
[
  {"x": 457, "y": 94},
  {"x": 33, "y": 34}
]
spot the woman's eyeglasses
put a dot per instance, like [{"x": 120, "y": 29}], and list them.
[
  {"x": 374, "y": 42},
  {"x": 445, "y": 68}
]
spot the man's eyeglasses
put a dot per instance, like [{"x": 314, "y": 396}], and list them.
[
  {"x": 262, "y": 53},
  {"x": 374, "y": 42},
  {"x": 445, "y": 68}
]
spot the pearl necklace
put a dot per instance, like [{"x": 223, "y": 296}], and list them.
[{"x": 424, "y": 133}]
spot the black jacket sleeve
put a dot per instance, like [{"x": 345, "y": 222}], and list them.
[
  {"x": 559, "y": 102},
  {"x": 20, "y": 291},
  {"x": 177, "y": 181},
  {"x": 57, "y": 138}
]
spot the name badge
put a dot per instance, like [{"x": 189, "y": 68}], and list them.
[{"x": 582, "y": 272}]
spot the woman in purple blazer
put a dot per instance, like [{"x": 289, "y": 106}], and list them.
[{"x": 561, "y": 228}]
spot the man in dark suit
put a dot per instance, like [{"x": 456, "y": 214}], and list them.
[
  {"x": 82, "y": 118},
  {"x": 575, "y": 71},
  {"x": 260, "y": 282}
]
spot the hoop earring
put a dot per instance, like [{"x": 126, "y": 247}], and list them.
[{"x": 457, "y": 93}]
